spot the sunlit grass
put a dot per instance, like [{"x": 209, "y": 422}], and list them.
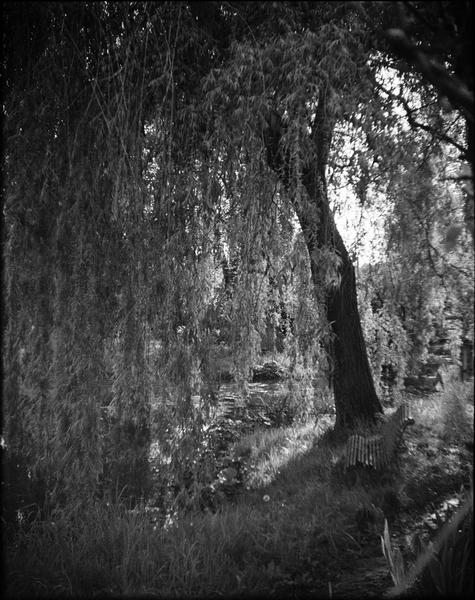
[
  {"x": 449, "y": 413},
  {"x": 270, "y": 450}
]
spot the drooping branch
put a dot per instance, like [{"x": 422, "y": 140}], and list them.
[{"x": 272, "y": 137}]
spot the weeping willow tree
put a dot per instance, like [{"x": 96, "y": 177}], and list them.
[
  {"x": 280, "y": 93},
  {"x": 111, "y": 237},
  {"x": 297, "y": 76},
  {"x": 143, "y": 142},
  {"x": 118, "y": 159}
]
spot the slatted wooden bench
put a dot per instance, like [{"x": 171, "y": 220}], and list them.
[{"x": 378, "y": 451}]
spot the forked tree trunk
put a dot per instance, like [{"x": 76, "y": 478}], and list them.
[{"x": 353, "y": 387}]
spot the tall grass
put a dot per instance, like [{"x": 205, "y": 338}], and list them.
[
  {"x": 448, "y": 413},
  {"x": 270, "y": 450},
  {"x": 251, "y": 546},
  {"x": 109, "y": 550},
  {"x": 296, "y": 515}
]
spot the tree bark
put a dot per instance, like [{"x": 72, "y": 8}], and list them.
[{"x": 353, "y": 387}]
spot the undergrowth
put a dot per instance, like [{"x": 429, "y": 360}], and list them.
[{"x": 294, "y": 527}]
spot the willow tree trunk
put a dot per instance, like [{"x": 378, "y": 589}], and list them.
[{"x": 353, "y": 387}]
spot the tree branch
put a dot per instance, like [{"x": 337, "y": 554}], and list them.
[
  {"x": 446, "y": 83},
  {"x": 441, "y": 135}
]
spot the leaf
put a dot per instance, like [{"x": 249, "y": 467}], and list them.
[
  {"x": 393, "y": 558},
  {"x": 437, "y": 574},
  {"x": 399, "y": 570}
]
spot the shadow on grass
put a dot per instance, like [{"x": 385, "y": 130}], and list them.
[{"x": 297, "y": 531}]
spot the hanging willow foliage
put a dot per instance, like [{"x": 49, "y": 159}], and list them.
[
  {"x": 124, "y": 195},
  {"x": 75, "y": 258}
]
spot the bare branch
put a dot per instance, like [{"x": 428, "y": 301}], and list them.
[
  {"x": 440, "y": 135},
  {"x": 446, "y": 83}
]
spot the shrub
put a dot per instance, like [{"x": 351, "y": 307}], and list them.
[{"x": 457, "y": 426}]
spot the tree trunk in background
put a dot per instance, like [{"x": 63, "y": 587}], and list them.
[{"x": 353, "y": 387}]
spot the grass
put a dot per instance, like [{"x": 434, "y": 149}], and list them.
[
  {"x": 253, "y": 546},
  {"x": 294, "y": 530},
  {"x": 269, "y": 451}
]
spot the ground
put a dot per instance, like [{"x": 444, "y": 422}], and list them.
[
  {"x": 293, "y": 527},
  {"x": 344, "y": 556}
]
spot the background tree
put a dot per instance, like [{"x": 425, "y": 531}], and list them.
[{"x": 435, "y": 40}]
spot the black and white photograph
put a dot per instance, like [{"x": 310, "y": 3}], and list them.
[{"x": 237, "y": 299}]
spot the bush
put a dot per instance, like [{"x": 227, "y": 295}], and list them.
[{"x": 457, "y": 426}]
